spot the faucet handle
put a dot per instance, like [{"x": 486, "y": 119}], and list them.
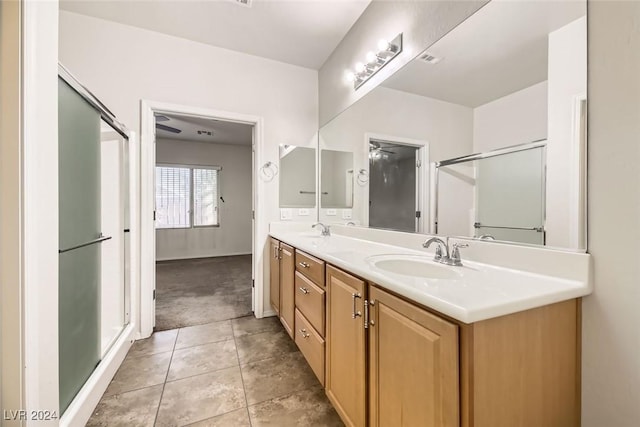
[{"x": 455, "y": 253}]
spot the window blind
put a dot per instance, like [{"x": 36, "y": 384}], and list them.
[
  {"x": 205, "y": 197},
  {"x": 173, "y": 197},
  {"x": 187, "y": 196}
]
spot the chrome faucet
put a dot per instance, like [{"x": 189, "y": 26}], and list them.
[
  {"x": 486, "y": 237},
  {"x": 441, "y": 245},
  {"x": 326, "y": 230},
  {"x": 451, "y": 256}
]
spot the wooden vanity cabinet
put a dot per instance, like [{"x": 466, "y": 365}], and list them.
[
  {"x": 282, "y": 282},
  {"x": 310, "y": 310},
  {"x": 287, "y": 283},
  {"x": 346, "y": 346},
  {"x": 413, "y": 365},
  {"x": 387, "y": 361}
]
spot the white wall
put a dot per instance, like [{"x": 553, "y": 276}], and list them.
[
  {"x": 29, "y": 208},
  {"x": 447, "y": 127},
  {"x": 517, "y": 118},
  {"x": 567, "y": 82},
  {"x": 611, "y": 316},
  {"x": 233, "y": 236},
  {"x": 123, "y": 64}
]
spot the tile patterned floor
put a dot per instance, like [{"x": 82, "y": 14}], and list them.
[{"x": 240, "y": 372}]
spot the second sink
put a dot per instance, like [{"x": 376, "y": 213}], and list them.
[{"x": 413, "y": 266}]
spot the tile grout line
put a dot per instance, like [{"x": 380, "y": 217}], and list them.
[
  {"x": 244, "y": 388},
  {"x": 164, "y": 384}
]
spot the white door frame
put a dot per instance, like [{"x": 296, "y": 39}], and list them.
[
  {"x": 147, "y": 170},
  {"x": 422, "y": 177}
]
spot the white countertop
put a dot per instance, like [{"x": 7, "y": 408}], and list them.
[{"x": 481, "y": 291}]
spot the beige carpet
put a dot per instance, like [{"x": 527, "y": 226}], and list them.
[{"x": 198, "y": 291}]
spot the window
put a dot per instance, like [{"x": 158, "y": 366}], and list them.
[{"x": 187, "y": 196}]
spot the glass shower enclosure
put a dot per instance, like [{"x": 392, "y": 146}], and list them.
[{"x": 93, "y": 235}]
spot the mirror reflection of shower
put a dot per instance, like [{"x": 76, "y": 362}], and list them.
[{"x": 393, "y": 186}]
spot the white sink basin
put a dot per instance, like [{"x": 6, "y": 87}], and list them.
[{"x": 414, "y": 266}]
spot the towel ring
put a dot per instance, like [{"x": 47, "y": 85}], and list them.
[
  {"x": 268, "y": 171},
  {"x": 363, "y": 177}
]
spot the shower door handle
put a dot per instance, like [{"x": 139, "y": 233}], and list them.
[{"x": 92, "y": 242}]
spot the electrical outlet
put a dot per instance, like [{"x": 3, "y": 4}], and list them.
[
  {"x": 331, "y": 212},
  {"x": 303, "y": 212},
  {"x": 346, "y": 214}
]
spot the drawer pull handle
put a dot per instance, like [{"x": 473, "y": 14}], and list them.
[
  {"x": 355, "y": 313},
  {"x": 303, "y": 264},
  {"x": 304, "y": 290},
  {"x": 304, "y": 333}
]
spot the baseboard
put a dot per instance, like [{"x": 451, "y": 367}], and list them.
[
  {"x": 82, "y": 406},
  {"x": 203, "y": 256},
  {"x": 268, "y": 313}
]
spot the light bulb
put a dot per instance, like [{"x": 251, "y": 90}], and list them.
[
  {"x": 359, "y": 67},
  {"x": 371, "y": 57},
  {"x": 383, "y": 44},
  {"x": 350, "y": 76}
]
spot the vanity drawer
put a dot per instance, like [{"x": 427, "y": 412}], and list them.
[
  {"x": 311, "y": 345},
  {"x": 310, "y": 300},
  {"x": 312, "y": 268}
]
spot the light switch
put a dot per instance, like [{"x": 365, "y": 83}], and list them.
[
  {"x": 303, "y": 212},
  {"x": 346, "y": 214},
  {"x": 286, "y": 214},
  {"x": 331, "y": 212}
]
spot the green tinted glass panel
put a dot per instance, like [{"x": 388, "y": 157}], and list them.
[
  {"x": 80, "y": 272},
  {"x": 79, "y": 174}
]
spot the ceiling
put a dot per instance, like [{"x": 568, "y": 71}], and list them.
[
  {"x": 299, "y": 32},
  {"x": 221, "y": 132},
  {"x": 499, "y": 50}
]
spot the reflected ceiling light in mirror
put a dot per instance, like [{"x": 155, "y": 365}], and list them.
[{"x": 387, "y": 50}]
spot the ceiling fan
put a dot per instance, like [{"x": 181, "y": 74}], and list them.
[
  {"x": 375, "y": 146},
  {"x": 161, "y": 118}
]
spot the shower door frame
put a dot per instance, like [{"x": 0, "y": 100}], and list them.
[
  {"x": 80, "y": 409},
  {"x": 422, "y": 176}
]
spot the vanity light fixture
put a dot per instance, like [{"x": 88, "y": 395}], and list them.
[{"x": 387, "y": 50}]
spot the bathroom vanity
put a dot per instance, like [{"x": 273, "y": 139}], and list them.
[{"x": 392, "y": 349}]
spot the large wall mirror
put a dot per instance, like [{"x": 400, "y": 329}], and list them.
[
  {"x": 482, "y": 135},
  {"x": 297, "y": 176}
]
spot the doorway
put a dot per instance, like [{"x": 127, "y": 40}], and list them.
[
  {"x": 198, "y": 242},
  {"x": 203, "y": 223},
  {"x": 397, "y": 183}
]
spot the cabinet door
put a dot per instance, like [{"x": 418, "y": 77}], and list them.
[
  {"x": 413, "y": 365},
  {"x": 345, "y": 343},
  {"x": 274, "y": 275},
  {"x": 287, "y": 283}
]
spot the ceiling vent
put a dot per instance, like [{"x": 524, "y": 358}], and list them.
[{"x": 429, "y": 58}]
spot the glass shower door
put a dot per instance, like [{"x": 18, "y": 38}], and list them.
[
  {"x": 94, "y": 236},
  {"x": 80, "y": 232},
  {"x": 510, "y": 196}
]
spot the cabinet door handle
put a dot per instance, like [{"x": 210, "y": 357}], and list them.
[
  {"x": 303, "y": 264},
  {"x": 275, "y": 252},
  {"x": 355, "y": 313},
  {"x": 372, "y": 305},
  {"x": 304, "y": 333},
  {"x": 304, "y": 290}
]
